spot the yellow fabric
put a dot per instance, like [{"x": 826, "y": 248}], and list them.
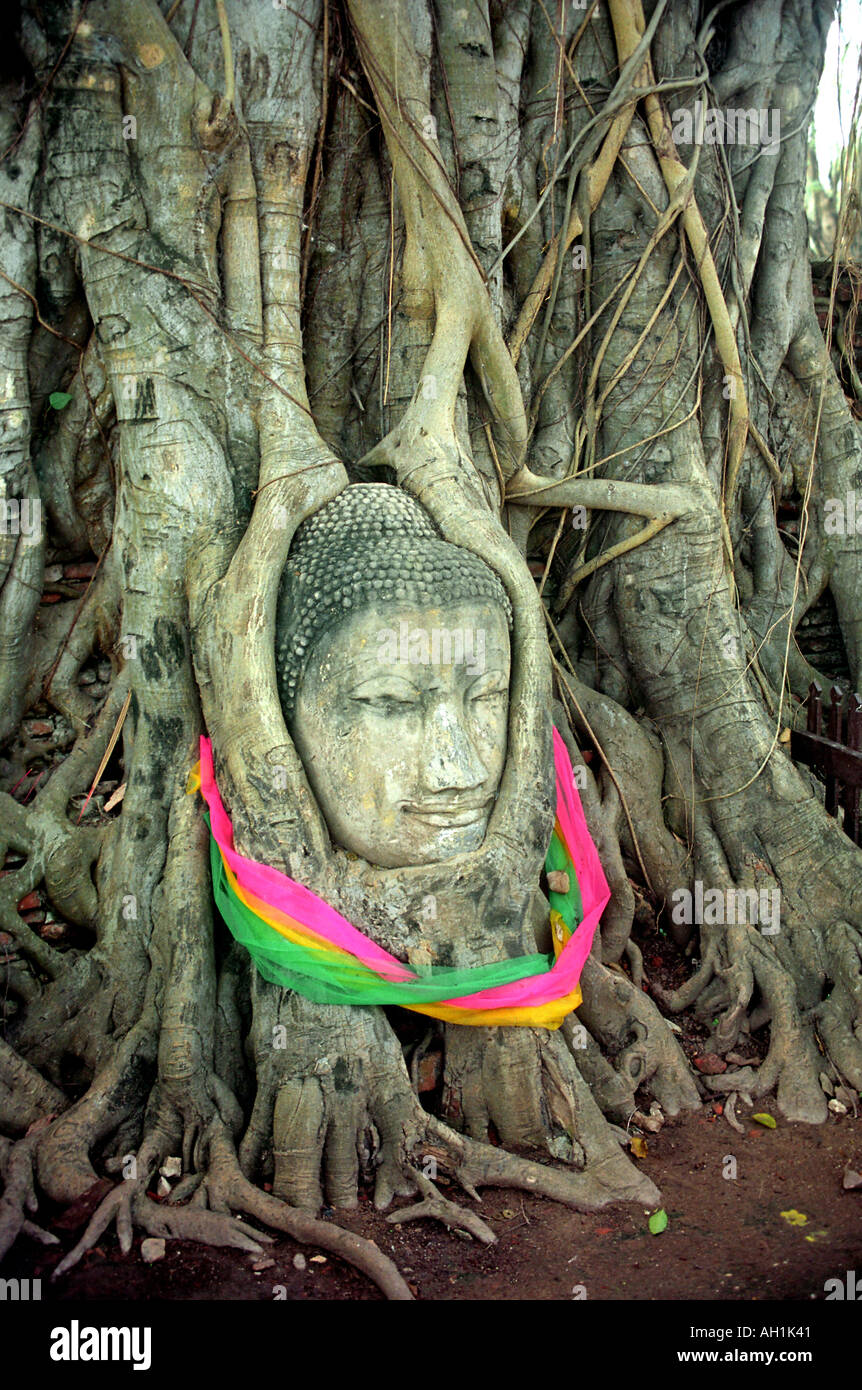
[{"x": 548, "y": 1015}]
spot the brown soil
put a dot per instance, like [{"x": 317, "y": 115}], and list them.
[{"x": 725, "y": 1239}]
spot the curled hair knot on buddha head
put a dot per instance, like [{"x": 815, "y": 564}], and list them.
[{"x": 372, "y": 544}]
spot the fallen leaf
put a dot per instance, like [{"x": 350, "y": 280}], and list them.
[
  {"x": 766, "y": 1120},
  {"x": 638, "y": 1146},
  {"x": 851, "y": 1180},
  {"x": 794, "y": 1218},
  {"x": 115, "y": 798},
  {"x": 58, "y": 400},
  {"x": 658, "y": 1221}
]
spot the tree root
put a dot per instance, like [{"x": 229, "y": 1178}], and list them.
[
  {"x": 439, "y": 1208},
  {"x": 228, "y": 1188},
  {"x": 610, "y": 1178},
  {"x": 19, "y": 1193},
  {"x": 128, "y": 1205}
]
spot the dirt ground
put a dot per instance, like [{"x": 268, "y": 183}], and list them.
[{"x": 726, "y": 1238}]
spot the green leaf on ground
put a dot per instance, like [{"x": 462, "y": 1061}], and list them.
[
  {"x": 658, "y": 1221},
  {"x": 58, "y": 400},
  {"x": 766, "y": 1120}
]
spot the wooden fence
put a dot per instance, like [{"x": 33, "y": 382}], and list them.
[{"x": 835, "y": 752}]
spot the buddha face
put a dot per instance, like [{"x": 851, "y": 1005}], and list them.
[{"x": 400, "y": 720}]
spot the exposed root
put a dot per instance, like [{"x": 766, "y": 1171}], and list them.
[
  {"x": 227, "y": 1186},
  {"x": 610, "y": 1178},
  {"x": 19, "y": 1193},
  {"x": 128, "y": 1205},
  {"x": 730, "y": 1113},
  {"x": 439, "y": 1208}
]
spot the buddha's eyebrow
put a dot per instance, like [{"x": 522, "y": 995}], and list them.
[{"x": 383, "y": 682}]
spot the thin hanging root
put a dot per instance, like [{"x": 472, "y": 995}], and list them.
[
  {"x": 613, "y": 552},
  {"x": 439, "y": 1208},
  {"x": 226, "y": 1185},
  {"x": 629, "y": 24}
]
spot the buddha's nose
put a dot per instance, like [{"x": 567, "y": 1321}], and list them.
[{"x": 451, "y": 760}]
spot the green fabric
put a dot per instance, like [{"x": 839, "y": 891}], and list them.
[
  {"x": 569, "y": 905},
  {"x": 330, "y": 978}
]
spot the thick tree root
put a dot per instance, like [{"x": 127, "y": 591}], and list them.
[
  {"x": 130, "y": 1206},
  {"x": 19, "y": 1193},
  {"x": 227, "y": 1187},
  {"x": 610, "y": 1178}
]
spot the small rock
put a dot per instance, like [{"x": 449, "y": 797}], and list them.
[
  {"x": 558, "y": 882},
  {"x": 429, "y": 1072},
  {"x": 300, "y": 1262},
  {"x": 172, "y": 1167},
  {"x": 30, "y": 901},
  {"x": 39, "y": 728},
  {"x": 318, "y": 1259},
  {"x": 826, "y": 1084},
  {"x": 152, "y": 1249},
  {"x": 737, "y": 1059},
  {"x": 262, "y": 1264},
  {"x": 710, "y": 1064},
  {"x": 851, "y": 1180},
  {"x": 837, "y": 1107},
  {"x": 846, "y": 1097},
  {"x": 53, "y": 573},
  {"x": 163, "y": 1188}
]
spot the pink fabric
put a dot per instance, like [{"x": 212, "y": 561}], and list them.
[{"x": 308, "y": 909}]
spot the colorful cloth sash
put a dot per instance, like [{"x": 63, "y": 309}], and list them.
[{"x": 298, "y": 941}]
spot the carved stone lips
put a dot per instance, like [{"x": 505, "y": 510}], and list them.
[{"x": 455, "y": 814}]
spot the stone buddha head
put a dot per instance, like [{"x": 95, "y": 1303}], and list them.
[{"x": 393, "y": 661}]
